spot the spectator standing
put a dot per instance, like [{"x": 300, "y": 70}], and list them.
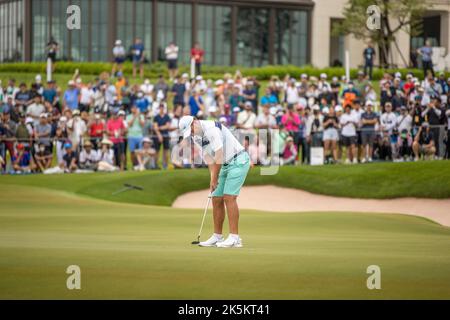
[
  {"x": 119, "y": 54},
  {"x": 116, "y": 131},
  {"x": 196, "y": 104},
  {"x": 162, "y": 123},
  {"x": 369, "y": 120},
  {"x": 330, "y": 134},
  {"x": 369, "y": 58},
  {"x": 76, "y": 129},
  {"x": 197, "y": 54},
  {"x": 136, "y": 122},
  {"x": 71, "y": 96},
  {"x": 179, "y": 91},
  {"x": 138, "y": 57},
  {"x": 426, "y": 53},
  {"x": 52, "y": 51},
  {"x": 349, "y": 139},
  {"x": 96, "y": 130},
  {"x": 172, "y": 59}
]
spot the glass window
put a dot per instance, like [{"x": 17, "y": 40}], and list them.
[
  {"x": 252, "y": 41},
  {"x": 214, "y": 30},
  {"x": 99, "y": 31},
  {"x": 40, "y": 28},
  {"x": 175, "y": 24},
  {"x": 291, "y": 37}
]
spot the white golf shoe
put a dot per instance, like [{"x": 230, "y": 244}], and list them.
[
  {"x": 231, "y": 242},
  {"x": 212, "y": 242}
]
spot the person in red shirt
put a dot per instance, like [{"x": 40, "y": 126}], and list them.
[
  {"x": 197, "y": 54},
  {"x": 96, "y": 130},
  {"x": 116, "y": 131}
]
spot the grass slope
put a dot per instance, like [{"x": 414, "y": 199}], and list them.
[
  {"x": 132, "y": 251},
  {"x": 384, "y": 180}
]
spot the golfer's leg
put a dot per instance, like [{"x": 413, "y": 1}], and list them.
[
  {"x": 233, "y": 213},
  {"x": 218, "y": 214}
]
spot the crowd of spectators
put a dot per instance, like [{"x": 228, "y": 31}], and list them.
[{"x": 109, "y": 124}]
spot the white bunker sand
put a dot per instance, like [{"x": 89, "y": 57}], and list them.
[{"x": 271, "y": 198}]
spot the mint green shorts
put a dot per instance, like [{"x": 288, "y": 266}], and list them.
[{"x": 232, "y": 176}]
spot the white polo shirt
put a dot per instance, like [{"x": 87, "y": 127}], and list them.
[{"x": 214, "y": 139}]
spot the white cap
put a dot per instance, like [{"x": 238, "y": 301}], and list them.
[
  {"x": 219, "y": 82},
  {"x": 326, "y": 110},
  {"x": 212, "y": 109},
  {"x": 121, "y": 113},
  {"x": 63, "y": 119},
  {"x": 338, "y": 108},
  {"x": 185, "y": 126},
  {"x": 198, "y": 78},
  {"x": 230, "y": 81},
  {"x": 38, "y": 78},
  {"x": 316, "y": 107},
  {"x": 185, "y": 75},
  {"x": 79, "y": 80},
  {"x": 146, "y": 140},
  {"x": 147, "y": 81},
  {"x": 118, "y": 42},
  {"x": 398, "y": 75},
  {"x": 71, "y": 83},
  {"x": 323, "y": 75},
  {"x": 223, "y": 120},
  {"x": 273, "y": 110},
  {"x": 369, "y": 103},
  {"x": 304, "y": 76},
  {"x": 43, "y": 115}
]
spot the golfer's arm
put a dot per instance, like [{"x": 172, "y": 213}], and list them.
[{"x": 216, "y": 164}]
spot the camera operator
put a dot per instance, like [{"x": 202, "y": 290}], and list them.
[
  {"x": 424, "y": 142},
  {"x": 432, "y": 114}
]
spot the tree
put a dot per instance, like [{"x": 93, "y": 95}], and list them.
[{"x": 380, "y": 21}]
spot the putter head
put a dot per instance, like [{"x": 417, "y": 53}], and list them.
[{"x": 196, "y": 242}]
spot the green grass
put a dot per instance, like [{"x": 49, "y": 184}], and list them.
[
  {"x": 129, "y": 248},
  {"x": 381, "y": 181},
  {"x": 144, "y": 252}
]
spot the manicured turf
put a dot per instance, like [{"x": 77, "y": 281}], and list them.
[
  {"x": 383, "y": 180},
  {"x": 132, "y": 251}
]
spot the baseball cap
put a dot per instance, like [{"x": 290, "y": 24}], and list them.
[
  {"x": 146, "y": 140},
  {"x": 71, "y": 83},
  {"x": 67, "y": 145},
  {"x": 369, "y": 103},
  {"x": 118, "y": 42},
  {"x": 185, "y": 126},
  {"x": 20, "y": 146}
]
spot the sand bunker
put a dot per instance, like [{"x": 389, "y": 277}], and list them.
[{"x": 271, "y": 198}]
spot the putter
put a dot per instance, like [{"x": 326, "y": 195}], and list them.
[
  {"x": 128, "y": 187},
  {"x": 203, "y": 220}
]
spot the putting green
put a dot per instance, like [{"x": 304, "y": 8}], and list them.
[{"x": 144, "y": 252}]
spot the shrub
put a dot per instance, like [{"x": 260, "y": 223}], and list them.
[{"x": 209, "y": 72}]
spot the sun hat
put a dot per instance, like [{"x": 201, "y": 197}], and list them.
[
  {"x": 107, "y": 142},
  {"x": 146, "y": 140}
]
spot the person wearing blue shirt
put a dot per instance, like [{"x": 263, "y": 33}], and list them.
[
  {"x": 71, "y": 96},
  {"x": 142, "y": 102},
  {"x": 137, "y": 53},
  {"x": 269, "y": 98},
  {"x": 196, "y": 104},
  {"x": 426, "y": 53},
  {"x": 369, "y": 56}
]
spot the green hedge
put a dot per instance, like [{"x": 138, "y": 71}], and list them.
[{"x": 210, "y": 72}]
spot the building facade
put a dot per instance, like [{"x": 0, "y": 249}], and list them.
[{"x": 232, "y": 32}]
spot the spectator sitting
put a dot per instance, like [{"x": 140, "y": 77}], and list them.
[
  {"x": 70, "y": 159},
  {"x": 22, "y": 160},
  {"x": 289, "y": 153},
  {"x": 88, "y": 159},
  {"x": 106, "y": 159},
  {"x": 424, "y": 142},
  {"x": 146, "y": 156},
  {"x": 43, "y": 157}
]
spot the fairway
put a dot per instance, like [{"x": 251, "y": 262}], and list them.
[{"x": 143, "y": 252}]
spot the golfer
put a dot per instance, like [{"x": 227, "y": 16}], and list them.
[{"x": 228, "y": 164}]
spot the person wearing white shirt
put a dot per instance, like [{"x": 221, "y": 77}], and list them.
[
  {"x": 88, "y": 158},
  {"x": 147, "y": 89},
  {"x": 348, "y": 124},
  {"x": 292, "y": 94},
  {"x": 228, "y": 164},
  {"x": 86, "y": 97},
  {"x": 404, "y": 120},
  {"x": 172, "y": 59},
  {"x": 246, "y": 120},
  {"x": 119, "y": 54},
  {"x": 77, "y": 128},
  {"x": 388, "y": 119}
]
